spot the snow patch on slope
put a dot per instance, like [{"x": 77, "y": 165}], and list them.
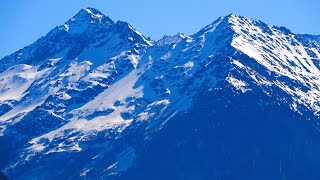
[
  {"x": 279, "y": 53},
  {"x": 15, "y": 81},
  {"x": 119, "y": 91}
]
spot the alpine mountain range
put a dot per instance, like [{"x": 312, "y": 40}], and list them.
[{"x": 95, "y": 99}]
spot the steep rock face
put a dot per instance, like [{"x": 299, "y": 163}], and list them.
[{"x": 238, "y": 99}]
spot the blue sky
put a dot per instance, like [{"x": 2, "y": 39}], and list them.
[{"x": 24, "y": 21}]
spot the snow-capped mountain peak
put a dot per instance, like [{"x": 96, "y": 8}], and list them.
[
  {"x": 167, "y": 40},
  {"x": 84, "y": 18},
  {"x": 93, "y": 15},
  {"x": 96, "y": 99}
]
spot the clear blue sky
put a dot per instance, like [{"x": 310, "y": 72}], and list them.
[{"x": 24, "y": 21}]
